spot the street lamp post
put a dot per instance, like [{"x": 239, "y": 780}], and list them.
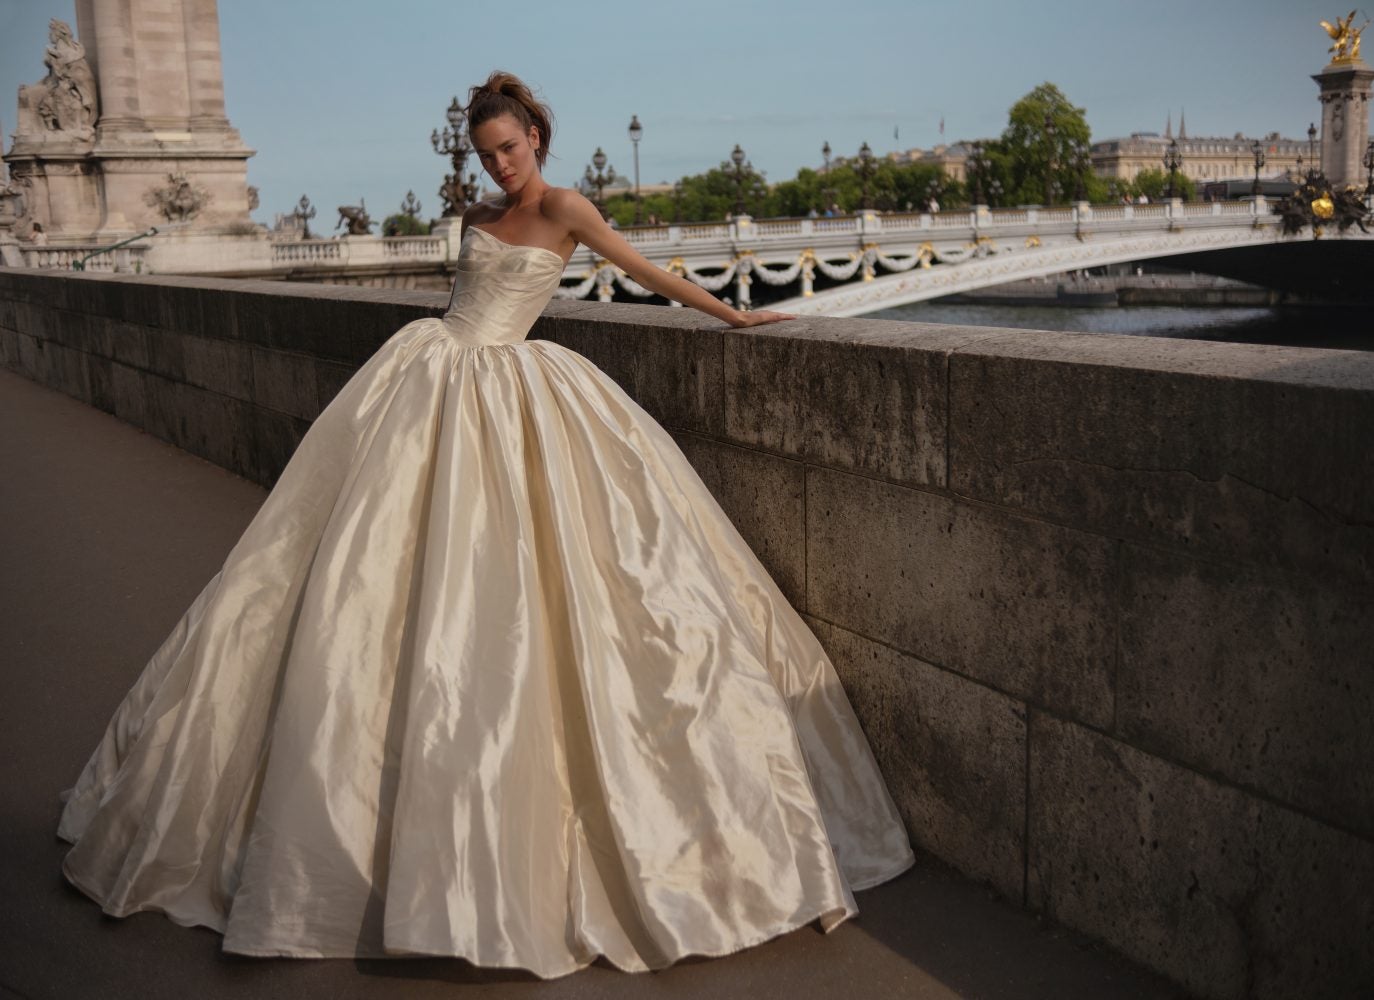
[
  {"x": 636, "y": 130},
  {"x": 994, "y": 192},
  {"x": 737, "y": 158},
  {"x": 1173, "y": 159},
  {"x": 677, "y": 201},
  {"x": 1312, "y": 148},
  {"x": 975, "y": 171},
  {"x": 599, "y": 180},
  {"x": 865, "y": 172},
  {"x": 825, "y": 185},
  {"x": 1080, "y": 169},
  {"x": 453, "y": 142},
  {"x": 303, "y": 213},
  {"x": 1257, "y": 150}
]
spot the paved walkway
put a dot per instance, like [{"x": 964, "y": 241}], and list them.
[{"x": 106, "y": 535}]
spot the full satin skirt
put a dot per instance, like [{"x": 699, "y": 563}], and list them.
[{"x": 490, "y": 674}]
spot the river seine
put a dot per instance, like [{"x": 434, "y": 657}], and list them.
[{"x": 1343, "y": 327}]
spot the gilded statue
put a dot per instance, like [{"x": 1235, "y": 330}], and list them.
[{"x": 1345, "y": 45}]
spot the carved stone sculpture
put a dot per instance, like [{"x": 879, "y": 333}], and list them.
[
  {"x": 178, "y": 201},
  {"x": 64, "y": 101}
]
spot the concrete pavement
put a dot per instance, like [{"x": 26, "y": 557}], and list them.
[{"x": 106, "y": 535}]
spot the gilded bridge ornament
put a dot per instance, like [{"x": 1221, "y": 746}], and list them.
[{"x": 1345, "y": 47}]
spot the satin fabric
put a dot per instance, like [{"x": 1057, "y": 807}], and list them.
[{"x": 489, "y": 674}]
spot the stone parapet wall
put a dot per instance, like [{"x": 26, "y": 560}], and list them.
[{"x": 1104, "y": 604}]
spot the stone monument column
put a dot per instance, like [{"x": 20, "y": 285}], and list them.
[
  {"x": 1345, "y": 84},
  {"x": 156, "y": 148}
]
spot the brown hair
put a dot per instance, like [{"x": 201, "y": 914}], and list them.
[{"x": 506, "y": 94}]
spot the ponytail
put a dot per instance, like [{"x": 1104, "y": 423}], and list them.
[{"x": 505, "y": 94}]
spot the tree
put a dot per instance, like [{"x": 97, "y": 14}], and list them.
[
  {"x": 1154, "y": 184},
  {"x": 1043, "y": 148},
  {"x": 402, "y": 224}
]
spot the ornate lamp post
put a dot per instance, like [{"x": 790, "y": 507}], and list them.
[
  {"x": 933, "y": 193},
  {"x": 1368, "y": 162},
  {"x": 826, "y": 195},
  {"x": 677, "y": 201},
  {"x": 303, "y": 213},
  {"x": 976, "y": 165},
  {"x": 453, "y": 142},
  {"x": 1173, "y": 159},
  {"x": 1049, "y": 159},
  {"x": 1312, "y": 148},
  {"x": 994, "y": 192},
  {"x": 742, "y": 170},
  {"x": 865, "y": 173},
  {"x": 1257, "y": 151},
  {"x": 411, "y": 205},
  {"x": 636, "y": 130},
  {"x": 599, "y": 180}
]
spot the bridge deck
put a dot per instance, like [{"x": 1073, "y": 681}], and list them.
[{"x": 108, "y": 534}]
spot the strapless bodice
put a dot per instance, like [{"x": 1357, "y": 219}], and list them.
[{"x": 500, "y": 289}]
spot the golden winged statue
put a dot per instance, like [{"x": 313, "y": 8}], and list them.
[{"x": 1345, "y": 45}]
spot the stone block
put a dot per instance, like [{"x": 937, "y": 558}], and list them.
[
  {"x": 1262, "y": 680},
  {"x": 862, "y": 395},
  {"x": 953, "y": 754},
  {"x": 274, "y": 439},
  {"x": 1226, "y": 893},
  {"x": 763, "y": 495},
  {"x": 130, "y": 344},
  {"x": 9, "y": 348},
  {"x": 679, "y": 379},
  {"x": 285, "y": 382},
  {"x": 225, "y": 366},
  {"x": 216, "y": 427},
  {"x": 163, "y": 415},
  {"x": 218, "y": 314},
  {"x": 101, "y": 373},
  {"x": 127, "y": 385},
  {"x": 166, "y": 353},
  {"x": 330, "y": 377},
  {"x": 7, "y": 321},
  {"x": 1024, "y": 606},
  {"x": 1200, "y": 447},
  {"x": 180, "y": 308},
  {"x": 142, "y": 301}
]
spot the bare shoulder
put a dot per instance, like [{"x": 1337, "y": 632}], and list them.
[{"x": 568, "y": 208}]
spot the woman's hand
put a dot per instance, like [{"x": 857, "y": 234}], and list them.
[{"x": 759, "y": 317}]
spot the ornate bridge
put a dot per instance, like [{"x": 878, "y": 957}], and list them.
[
  {"x": 842, "y": 266},
  {"x": 868, "y": 262}
]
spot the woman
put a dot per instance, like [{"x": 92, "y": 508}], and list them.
[{"x": 490, "y": 674}]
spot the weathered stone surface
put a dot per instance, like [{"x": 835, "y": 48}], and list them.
[
  {"x": 763, "y": 496},
  {"x": 166, "y": 353},
  {"x": 330, "y": 378},
  {"x": 224, "y": 366},
  {"x": 1024, "y": 606},
  {"x": 953, "y": 754},
  {"x": 1256, "y": 678},
  {"x": 1196, "y": 446},
  {"x": 865, "y": 395},
  {"x": 129, "y": 343},
  {"x": 285, "y": 382},
  {"x": 671, "y": 368},
  {"x": 213, "y": 426},
  {"x": 130, "y": 398},
  {"x": 1229, "y": 894},
  {"x": 273, "y": 439}
]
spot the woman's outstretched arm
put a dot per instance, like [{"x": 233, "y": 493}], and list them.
[{"x": 582, "y": 219}]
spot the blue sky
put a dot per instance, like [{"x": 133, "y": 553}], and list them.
[{"x": 339, "y": 97}]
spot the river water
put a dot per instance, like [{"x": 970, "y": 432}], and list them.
[{"x": 1343, "y": 327}]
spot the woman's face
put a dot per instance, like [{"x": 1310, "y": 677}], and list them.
[{"x": 506, "y": 151}]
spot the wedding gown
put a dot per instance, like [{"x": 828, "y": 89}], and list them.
[{"x": 489, "y": 674}]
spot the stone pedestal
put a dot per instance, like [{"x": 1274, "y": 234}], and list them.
[
  {"x": 161, "y": 151},
  {"x": 1345, "y": 120}
]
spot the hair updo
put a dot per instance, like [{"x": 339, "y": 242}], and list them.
[{"x": 506, "y": 94}]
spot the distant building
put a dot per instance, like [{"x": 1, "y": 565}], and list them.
[{"x": 1205, "y": 158}]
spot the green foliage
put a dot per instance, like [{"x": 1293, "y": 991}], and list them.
[
  {"x": 1154, "y": 184},
  {"x": 404, "y": 225},
  {"x": 1029, "y": 156}
]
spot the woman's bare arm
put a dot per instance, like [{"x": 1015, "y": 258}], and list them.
[{"x": 580, "y": 216}]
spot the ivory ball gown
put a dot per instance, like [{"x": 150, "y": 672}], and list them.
[{"x": 489, "y": 674}]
